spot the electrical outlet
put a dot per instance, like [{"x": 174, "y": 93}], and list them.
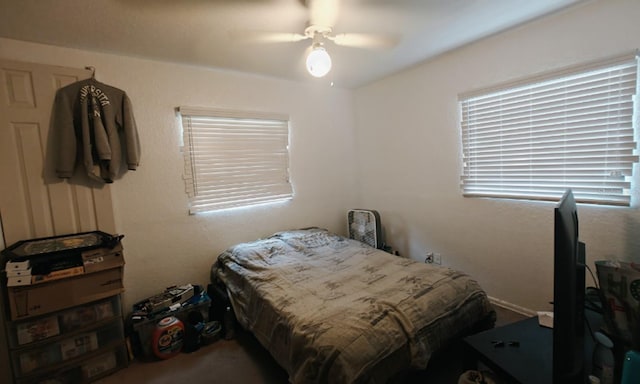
[
  {"x": 429, "y": 258},
  {"x": 437, "y": 258}
]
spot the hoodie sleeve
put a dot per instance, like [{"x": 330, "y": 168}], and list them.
[
  {"x": 64, "y": 135},
  {"x": 132, "y": 142}
]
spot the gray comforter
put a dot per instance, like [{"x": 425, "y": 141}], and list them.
[{"x": 334, "y": 310}]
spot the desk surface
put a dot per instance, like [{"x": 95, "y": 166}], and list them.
[{"x": 530, "y": 362}]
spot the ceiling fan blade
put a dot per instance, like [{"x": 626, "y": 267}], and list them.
[
  {"x": 323, "y": 13},
  {"x": 266, "y": 37},
  {"x": 364, "y": 40}
]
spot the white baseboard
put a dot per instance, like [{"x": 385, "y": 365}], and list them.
[{"x": 512, "y": 307}]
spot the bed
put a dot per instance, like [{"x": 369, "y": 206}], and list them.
[{"x": 333, "y": 310}]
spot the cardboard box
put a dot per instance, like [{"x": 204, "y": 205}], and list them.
[
  {"x": 57, "y": 275},
  {"x": 18, "y": 265},
  {"x": 102, "y": 258},
  {"x": 16, "y": 281},
  {"x": 18, "y": 272},
  {"x": 39, "y": 299}
]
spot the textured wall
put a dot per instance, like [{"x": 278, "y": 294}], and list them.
[
  {"x": 412, "y": 118},
  {"x": 408, "y": 156},
  {"x": 163, "y": 244}
]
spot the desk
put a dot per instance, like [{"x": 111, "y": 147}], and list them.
[{"x": 528, "y": 363}]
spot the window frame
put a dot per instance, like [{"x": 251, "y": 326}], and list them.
[
  {"x": 247, "y": 158},
  {"x": 495, "y": 174}
]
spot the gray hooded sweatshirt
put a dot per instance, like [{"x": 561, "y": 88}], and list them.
[{"x": 94, "y": 122}]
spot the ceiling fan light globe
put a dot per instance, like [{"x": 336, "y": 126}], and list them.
[{"x": 318, "y": 62}]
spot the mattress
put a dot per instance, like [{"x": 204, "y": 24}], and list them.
[{"x": 333, "y": 310}]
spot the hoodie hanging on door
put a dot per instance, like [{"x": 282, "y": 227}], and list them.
[{"x": 94, "y": 122}]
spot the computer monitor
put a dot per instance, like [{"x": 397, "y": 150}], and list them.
[{"x": 568, "y": 295}]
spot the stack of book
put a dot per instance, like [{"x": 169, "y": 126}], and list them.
[
  {"x": 18, "y": 273},
  {"x": 21, "y": 272}
]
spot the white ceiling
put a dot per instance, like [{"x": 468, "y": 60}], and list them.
[{"x": 198, "y": 31}]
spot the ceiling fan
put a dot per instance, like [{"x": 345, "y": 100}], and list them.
[{"x": 322, "y": 17}]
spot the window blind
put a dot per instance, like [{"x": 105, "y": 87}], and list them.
[
  {"x": 234, "y": 159},
  {"x": 570, "y": 130}
]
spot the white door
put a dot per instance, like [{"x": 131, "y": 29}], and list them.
[{"x": 33, "y": 201}]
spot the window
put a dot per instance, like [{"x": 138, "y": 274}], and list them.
[
  {"x": 234, "y": 159},
  {"x": 571, "y": 129}
]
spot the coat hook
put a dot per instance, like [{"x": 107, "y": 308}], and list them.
[{"x": 93, "y": 71}]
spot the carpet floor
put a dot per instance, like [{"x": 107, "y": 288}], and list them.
[{"x": 244, "y": 361}]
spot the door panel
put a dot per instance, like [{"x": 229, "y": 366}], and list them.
[{"x": 33, "y": 201}]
